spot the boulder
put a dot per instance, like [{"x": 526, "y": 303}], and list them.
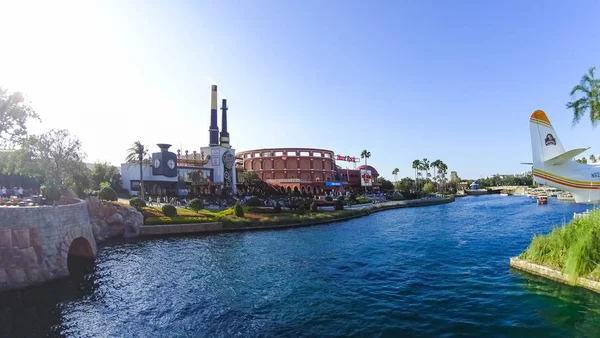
[{"x": 113, "y": 221}]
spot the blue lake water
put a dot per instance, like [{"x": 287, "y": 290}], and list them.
[{"x": 432, "y": 271}]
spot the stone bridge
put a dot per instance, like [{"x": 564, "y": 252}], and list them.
[{"x": 38, "y": 243}]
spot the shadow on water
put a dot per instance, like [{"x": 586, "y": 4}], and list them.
[
  {"x": 36, "y": 311},
  {"x": 561, "y": 305}
]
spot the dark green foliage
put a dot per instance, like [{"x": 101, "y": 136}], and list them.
[
  {"x": 108, "y": 194},
  {"x": 362, "y": 200},
  {"x": 261, "y": 210},
  {"x": 329, "y": 198},
  {"x": 238, "y": 210},
  {"x": 277, "y": 207},
  {"x": 254, "y": 202},
  {"x": 169, "y": 210},
  {"x": 313, "y": 207},
  {"x": 339, "y": 204},
  {"x": 104, "y": 185},
  {"x": 137, "y": 203},
  {"x": 50, "y": 192},
  {"x": 196, "y": 204}
]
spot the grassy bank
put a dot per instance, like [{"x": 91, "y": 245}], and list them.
[
  {"x": 257, "y": 217},
  {"x": 573, "y": 249}
]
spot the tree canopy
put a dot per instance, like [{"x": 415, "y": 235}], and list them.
[
  {"x": 14, "y": 113},
  {"x": 589, "y": 101}
]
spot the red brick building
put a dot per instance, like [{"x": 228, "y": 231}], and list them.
[{"x": 304, "y": 169}]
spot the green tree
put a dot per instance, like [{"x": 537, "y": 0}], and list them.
[
  {"x": 425, "y": 167},
  {"x": 103, "y": 172},
  {"x": 14, "y": 113},
  {"x": 385, "y": 184},
  {"x": 428, "y": 188},
  {"x": 592, "y": 158},
  {"x": 435, "y": 165},
  {"x": 135, "y": 155},
  {"x": 366, "y": 155},
  {"x": 60, "y": 157},
  {"x": 250, "y": 177},
  {"x": 395, "y": 173},
  {"x": 442, "y": 171},
  {"x": 582, "y": 160},
  {"x": 405, "y": 184},
  {"x": 589, "y": 101},
  {"x": 416, "y": 164}
]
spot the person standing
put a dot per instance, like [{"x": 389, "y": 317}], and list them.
[{"x": 3, "y": 192}]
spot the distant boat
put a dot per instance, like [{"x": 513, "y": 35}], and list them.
[
  {"x": 542, "y": 199},
  {"x": 474, "y": 190}
]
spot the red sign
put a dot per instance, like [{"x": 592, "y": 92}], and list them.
[{"x": 346, "y": 158}]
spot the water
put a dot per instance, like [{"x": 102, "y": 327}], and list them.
[{"x": 434, "y": 271}]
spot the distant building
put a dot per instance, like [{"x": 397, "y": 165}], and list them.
[{"x": 453, "y": 176}]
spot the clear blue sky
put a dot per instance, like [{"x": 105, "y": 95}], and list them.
[{"x": 449, "y": 80}]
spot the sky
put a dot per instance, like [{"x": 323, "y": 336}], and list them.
[{"x": 450, "y": 80}]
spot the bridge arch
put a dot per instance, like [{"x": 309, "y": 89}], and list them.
[{"x": 78, "y": 250}]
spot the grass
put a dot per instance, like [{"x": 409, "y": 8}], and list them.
[{"x": 573, "y": 249}]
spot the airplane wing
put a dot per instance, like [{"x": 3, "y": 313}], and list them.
[{"x": 566, "y": 156}]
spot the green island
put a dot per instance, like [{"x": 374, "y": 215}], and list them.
[{"x": 572, "y": 251}]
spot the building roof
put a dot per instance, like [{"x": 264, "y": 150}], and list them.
[{"x": 368, "y": 167}]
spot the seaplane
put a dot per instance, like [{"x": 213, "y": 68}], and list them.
[{"x": 555, "y": 167}]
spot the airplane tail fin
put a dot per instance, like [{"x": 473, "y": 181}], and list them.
[{"x": 544, "y": 141}]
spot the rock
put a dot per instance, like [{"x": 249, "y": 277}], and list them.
[
  {"x": 6, "y": 238},
  {"x": 17, "y": 275},
  {"x": 21, "y": 238},
  {"x": 109, "y": 220},
  {"x": 115, "y": 219}
]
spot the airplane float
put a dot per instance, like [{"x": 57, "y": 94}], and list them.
[{"x": 554, "y": 166}]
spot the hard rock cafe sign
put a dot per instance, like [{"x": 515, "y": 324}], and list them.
[
  {"x": 366, "y": 178},
  {"x": 346, "y": 158}
]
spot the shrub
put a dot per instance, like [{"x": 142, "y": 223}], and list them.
[
  {"x": 362, "y": 200},
  {"x": 277, "y": 207},
  {"x": 137, "y": 203},
  {"x": 329, "y": 198},
  {"x": 108, "y": 194},
  {"x": 169, "y": 210},
  {"x": 341, "y": 198},
  {"x": 238, "y": 210},
  {"x": 261, "y": 210},
  {"x": 313, "y": 207},
  {"x": 254, "y": 202},
  {"x": 104, "y": 185},
  {"x": 50, "y": 192},
  {"x": 339, "y": 204},
  {"x": 196, "y": 204}
]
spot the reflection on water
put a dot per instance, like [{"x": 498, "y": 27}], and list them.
[{"x": 433, "y": 271}]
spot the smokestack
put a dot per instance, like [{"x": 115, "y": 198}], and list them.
[
  {"x": 224, "y": 133},
  {"x": 214, "y": 129}
]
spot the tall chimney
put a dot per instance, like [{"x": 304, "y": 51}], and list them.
[
  {"x": 214, "y": 129},
  {"x": 224, "y": 133}
]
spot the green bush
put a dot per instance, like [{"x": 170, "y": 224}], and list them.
[
  {"x": 104, "y": 185},
  {"x": 196, "y": 204},
  {"x": 341, "y": 198},
  {"x": 339, "y": 204},
  {"x": 137, "y": 203},
  {"x": 313, "y": 207},
  {"x": 277, "y": 207},
  {"x": 50, "y": 192},
  {"x": 254, "y": 202},
  {"x": 169, "y": 210},
  {"x": 238, "y": 210},
  {"x": 108, "y": 194},
  {"x": 329, "y": 198},
  {"x": 362, "y": 200},
  {"x": 261, "y": 210}
]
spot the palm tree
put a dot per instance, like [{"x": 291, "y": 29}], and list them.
[
  {"x": 443, "y": 169},
  {"x": 365, "y": 154},
  {"x": 425, "y": 165},
  {"x": 592, "y": 158},
  {"x": 395, "y": 173},
  {"x": 416, "y": 165},
  {"x": 435, "y": 165},
  {"x": 582, "y": 160},
  {"x": 589, "y": 87},
  {"x": 136, "y": 155}
]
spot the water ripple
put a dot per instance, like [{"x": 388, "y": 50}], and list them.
[{"x": 436, "y": 271}]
